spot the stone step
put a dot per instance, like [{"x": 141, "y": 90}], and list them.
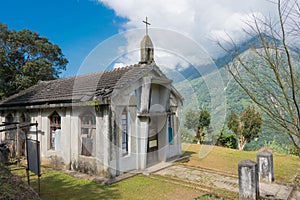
[{"x": 156, "y": 168}]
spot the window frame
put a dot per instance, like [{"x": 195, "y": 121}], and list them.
[
  {"x": 87, "y": 131},
  {"x": 9, "y": 118},
  {"x": 170, "y": 130},
  {"x": 53, "y": 124},
  {"x": 124, "y": 134}
]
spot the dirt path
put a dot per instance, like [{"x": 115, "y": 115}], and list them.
[{"x": 214, "y": 179}]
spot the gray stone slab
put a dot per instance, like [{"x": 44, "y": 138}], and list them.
[
  {"x": 275, "y": 191},
  {"x": 248, "y": 180},
  {"x": 265, "y": 166}
]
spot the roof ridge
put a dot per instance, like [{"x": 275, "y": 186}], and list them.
[
  {"x": 94, "y": 73},
  {"x": 121, "y": 68}
]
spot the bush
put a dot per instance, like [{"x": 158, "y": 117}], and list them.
[
  {"x": 228, "y": 141},
  {"x": 295, "y": 151},
  {"x": 282, "y": 148}
]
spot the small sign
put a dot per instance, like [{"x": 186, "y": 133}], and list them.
[
  {"x": 33, "y": 147},
  {"x": 152, "y": 143}
]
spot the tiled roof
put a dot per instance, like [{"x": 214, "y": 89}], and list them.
[{"x": 78, "y": 88}]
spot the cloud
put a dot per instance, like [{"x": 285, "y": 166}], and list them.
[
  {"x": 194, "y": 18},
  {"x": 202, "y": 21},
  {"x": 172, "y": 50},
  {"x": 119, "y": 65},
  {"x": 234, "y": 26}
]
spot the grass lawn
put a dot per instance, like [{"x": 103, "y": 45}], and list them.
[
  {"x": 286, "y": 167},
  {"x": 57, "y": 185}
]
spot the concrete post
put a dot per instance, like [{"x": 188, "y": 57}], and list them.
[
  {"x": 248, "y": 180},
  {"x": 265, "y": 166},
  {"x": 145, "y": 96},
  {"x": 143, "y": 140},
  {"x": 18, "y": 149}
]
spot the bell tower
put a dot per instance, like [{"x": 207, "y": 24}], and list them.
[{"x": 147, "y": 50}]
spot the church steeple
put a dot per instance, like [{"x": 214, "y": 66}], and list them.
[{"x": 147, "y": 50}]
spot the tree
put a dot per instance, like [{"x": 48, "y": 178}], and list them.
[
  {"x": 26, "y": 58},
  {"x": 247, "y": 127},
  {"x": 270, "y": 74},
  {"x": 227, "y": 138},
  {"x": 191, "y": 120},
  {"x": 204, "y": 121},
  {"x": 197, "y": 121}
]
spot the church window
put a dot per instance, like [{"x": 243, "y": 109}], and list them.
[
  {"x": 170, "y": 129},
  {"x": 88, "y": 134},
  {"x": 23, "y": 134},
  {"x": 9, "y": 119},
  {"x": 55, "y": 126},
  {"x": 124, "y": 133}
]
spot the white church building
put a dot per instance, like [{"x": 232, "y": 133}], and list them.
[{"x": 104, "y": 123}]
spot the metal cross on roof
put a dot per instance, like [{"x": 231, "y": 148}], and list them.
[{"x": 147, "y": 23}]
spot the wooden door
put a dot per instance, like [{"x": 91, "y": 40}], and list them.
[{"x": 152, "y": 144}]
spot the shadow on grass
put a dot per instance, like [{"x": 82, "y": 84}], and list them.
[
  {"x": 189, "y": 153},
  {"x": 56, "y": 185}
]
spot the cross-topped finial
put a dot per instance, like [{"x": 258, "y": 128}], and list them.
[{"x": 147, "y": 23}]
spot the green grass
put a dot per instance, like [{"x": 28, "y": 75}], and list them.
[
  {"x": 286, "y": 167},
  {"x": 57, "y": 185}
]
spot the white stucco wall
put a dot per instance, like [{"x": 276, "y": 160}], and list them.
[{"x": 136, "y": 98}]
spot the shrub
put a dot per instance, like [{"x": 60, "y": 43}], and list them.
[{"x": 228, "y": 141}]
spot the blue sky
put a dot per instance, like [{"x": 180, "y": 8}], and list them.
[{"x": 78, "y": 26}]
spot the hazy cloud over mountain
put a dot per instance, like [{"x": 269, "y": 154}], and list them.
[{"x": 201, "y": 20}]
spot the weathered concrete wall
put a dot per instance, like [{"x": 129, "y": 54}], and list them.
[
  {"x": 143, "y": 128},
  {"x": 74, "y": 138},
  {"x": 97, "y": 164},
  {"x": 162, "y": 138},
  {"x": 69, "y": 154},
  {"x": 145, "y": 94}
]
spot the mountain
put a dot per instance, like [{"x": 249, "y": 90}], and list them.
[
  {"x": 199, "y": 92},
  {"x": 193, "y": 72},
  {"x": 254, "y": 42}
]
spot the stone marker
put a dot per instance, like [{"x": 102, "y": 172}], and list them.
[
  {"x": 265, "y": 166},
  {"x": 248, "y": 180}
]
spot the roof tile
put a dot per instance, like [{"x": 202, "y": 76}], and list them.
[{"x": 78, "y": 88}]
